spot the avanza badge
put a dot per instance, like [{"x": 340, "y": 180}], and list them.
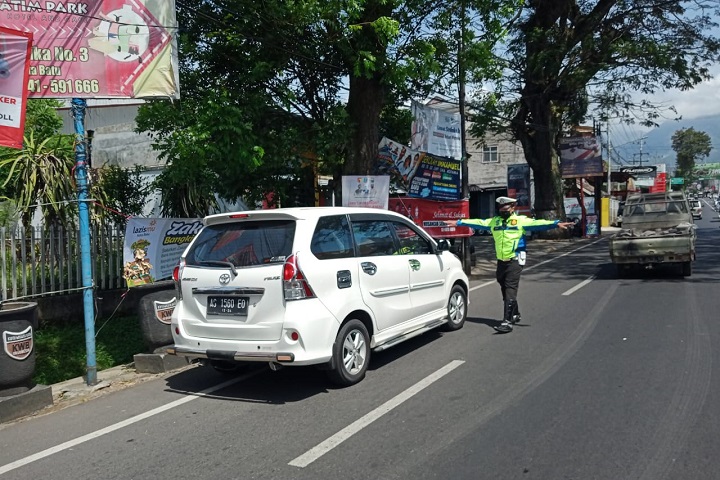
[{"x": 18, "y": 345}]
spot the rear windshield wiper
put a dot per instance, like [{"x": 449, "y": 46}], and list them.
[{"x": 220, "y": 263}]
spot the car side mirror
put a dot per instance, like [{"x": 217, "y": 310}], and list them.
[{"x": 443, "y": 245}]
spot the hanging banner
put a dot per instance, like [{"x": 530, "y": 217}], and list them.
[
  {"x": 418, "y": 173},
  {"x": 580, "y": 157},
  {"x": 369, "y": 191},
  {"x": 153, "y": 247},
  {"x": 435, "y": 131},
  {"x": 14, "y": 59},
  {"x": 518, "y": 187},
  {"x": 431, "y": 216},
  {"x": 98, "y": 48}
]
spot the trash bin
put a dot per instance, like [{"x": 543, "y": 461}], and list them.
[
  {"x": 18, "y": 322},
  {"x": 156, "y": 303}
]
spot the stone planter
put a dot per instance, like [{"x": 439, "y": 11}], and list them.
[
  {"x": 154, "y": 309},
  {"x": 18, "y": 322}
]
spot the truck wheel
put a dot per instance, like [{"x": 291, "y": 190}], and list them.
[
  {"x": 623, "y": 271},
  {"x": 687, "y": 269}
]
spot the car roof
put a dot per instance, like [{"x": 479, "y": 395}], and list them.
[{"x": 293, "y": 213}]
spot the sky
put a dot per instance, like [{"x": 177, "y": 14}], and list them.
[{"x": 702, "y": 101}]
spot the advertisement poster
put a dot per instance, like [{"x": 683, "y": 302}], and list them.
[
  {"x": 580, "y": 157},
  {"x": 371, "y": 191},
  {"x": 592, "y": 226},
  {"x": 435, "y": 131},
  {"x": 573, "y": 210},
  {"x": 14, "y": 58},
  {"x": 431, "y": 215},
  {"x": 419, "y": 174},
  {"x": 518, "y": 186},
  {"x": 98, "y": 48},
  {"x": 153, "y": 247}
]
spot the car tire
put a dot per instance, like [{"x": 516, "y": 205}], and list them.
[
  {"x": 456, "y": 309},
  {"x": 623, "y": 271},
  {"x": 351, "y": 354},
  {"x": 687, "y": 269}
]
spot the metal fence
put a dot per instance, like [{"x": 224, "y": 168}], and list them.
[{"x": 44, "y": 261}]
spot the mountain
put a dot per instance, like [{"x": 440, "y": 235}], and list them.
[{"x": 657, "y": 144}]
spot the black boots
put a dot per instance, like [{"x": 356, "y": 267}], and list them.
[
  {"x": 516, "y": 313},
  {"x": 511, "y": 315}
]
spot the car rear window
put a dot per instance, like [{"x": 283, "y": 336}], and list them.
[{"x": 244, "y": 244}]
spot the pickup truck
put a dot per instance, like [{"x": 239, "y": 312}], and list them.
[{"x": 657, "y": 229}]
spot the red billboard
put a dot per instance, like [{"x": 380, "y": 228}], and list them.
[
  {"x": 431, "y": 215},
  {"x": 98, "y": 48},
  {"x": 14, "y": 56}
]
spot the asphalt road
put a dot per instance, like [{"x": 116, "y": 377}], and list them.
[{"x": 604, "y": 379}]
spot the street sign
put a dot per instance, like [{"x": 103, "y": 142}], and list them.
[{"x": 98, "y": 48}]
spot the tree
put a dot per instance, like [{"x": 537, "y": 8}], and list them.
[
  {"x": 690, "y": 145},
  {"x": 40, "y": 175},
  {"x": 263, "y": 84},
  {"x": 565, "y": 55}
]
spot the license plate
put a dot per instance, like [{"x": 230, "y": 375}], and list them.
[{"x": 227, "y": 305}]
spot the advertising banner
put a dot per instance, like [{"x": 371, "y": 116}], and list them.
[
  {"x": 369, "y": 191},
  {"x": 420, "y": 174},
  {"x": 518, "y": 187},
  {"x": 572, "y": 206},
  {"x": 153, "y": 247},
  {"x": 431, "y": 215},
  {"x": 435, "y": 131},
  {"x": 14, "y": 58},
  {"x": 98, "y": 48},
  {"x": 580, "y": 157}
]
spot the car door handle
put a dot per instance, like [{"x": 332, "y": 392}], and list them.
[{"x": 369, "y": 268}]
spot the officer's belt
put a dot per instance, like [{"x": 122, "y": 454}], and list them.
[{"x": 507, "y": 259}]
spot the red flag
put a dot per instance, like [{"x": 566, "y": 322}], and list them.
[{"x": 14, "y": 65}]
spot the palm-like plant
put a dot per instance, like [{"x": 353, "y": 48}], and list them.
[{"x": 41, "y": 175}]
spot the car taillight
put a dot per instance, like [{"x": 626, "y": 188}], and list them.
[
  {"x": 295, "y": 285},
  {"x": 177, "y": 277}
]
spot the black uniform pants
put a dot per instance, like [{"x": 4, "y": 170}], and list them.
[{"x": 508, "y": 276}]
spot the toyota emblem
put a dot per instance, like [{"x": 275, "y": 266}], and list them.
[{"x": 224, "y": 279}]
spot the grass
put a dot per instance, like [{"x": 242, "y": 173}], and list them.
[{"x": 60, "y": 351}]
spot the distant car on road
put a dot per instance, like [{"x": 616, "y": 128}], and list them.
[{"x": 696, "y": 209}]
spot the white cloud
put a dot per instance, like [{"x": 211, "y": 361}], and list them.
[{"x": 701, "y": 101}]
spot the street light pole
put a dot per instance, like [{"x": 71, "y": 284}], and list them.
[{"x": 461, "y": 93}]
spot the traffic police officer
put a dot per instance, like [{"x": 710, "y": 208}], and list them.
[{"x": 508, "y": 231}]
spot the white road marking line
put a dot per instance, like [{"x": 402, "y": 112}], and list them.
[
  {"x": 119, "y": 425},
  {"x": 322, "y": 448},
  {"x": 579, "y": 286},
  {"x": 541, "y": 263}
]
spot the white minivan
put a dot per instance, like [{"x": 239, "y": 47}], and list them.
[{"x": 312, "y": 286}]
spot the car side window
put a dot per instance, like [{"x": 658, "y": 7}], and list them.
[
  {"x": 373, "y": 238},
  {"x": 331, "y": 238},
  {"x": 411, "y": 242}
]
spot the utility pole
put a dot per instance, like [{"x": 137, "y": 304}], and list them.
[{"x": 461, "y": 93}]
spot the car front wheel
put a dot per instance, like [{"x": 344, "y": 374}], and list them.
[{"x": 351, "y": 354}]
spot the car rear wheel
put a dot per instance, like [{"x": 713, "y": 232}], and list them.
[
  {"x": 351, "y": 354},
  {"x": 687, "y": 269},
  {"x": 456, "y": 309}
]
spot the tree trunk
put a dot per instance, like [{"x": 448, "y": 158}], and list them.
[
  {"x": 536, "y": 129},
  {"x": 365, "y": 102}
]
